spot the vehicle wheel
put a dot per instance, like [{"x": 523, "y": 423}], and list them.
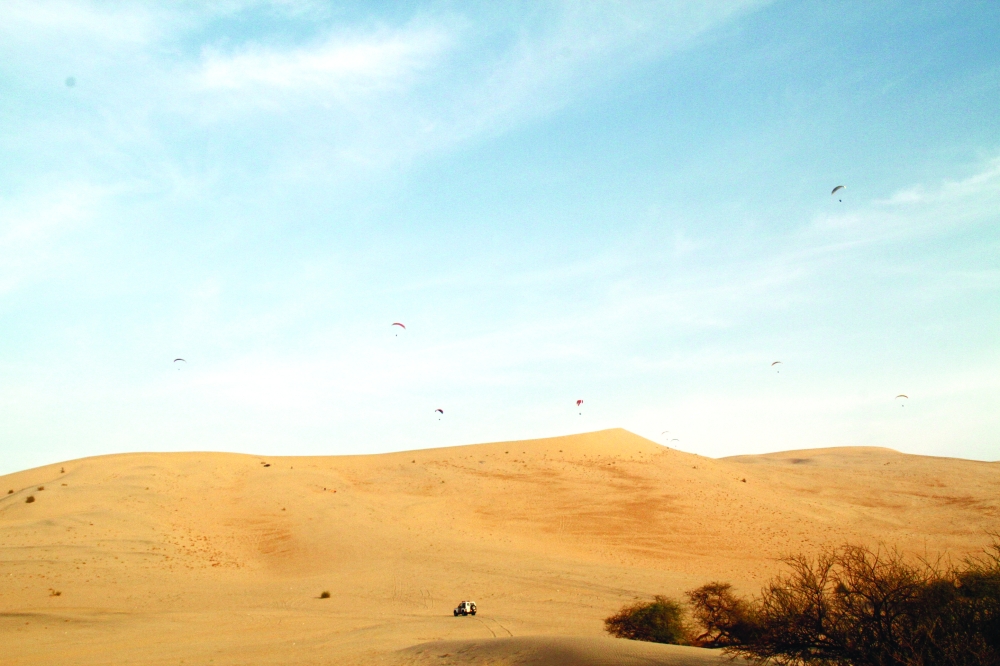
[
  {"x": 456, "y": 613},
  {"x": 473, "y": 612}
]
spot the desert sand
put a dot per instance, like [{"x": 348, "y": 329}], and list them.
[{"x": 212, "y": 558}]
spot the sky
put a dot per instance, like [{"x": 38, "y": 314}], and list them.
[{"x": 626, "y": 203}]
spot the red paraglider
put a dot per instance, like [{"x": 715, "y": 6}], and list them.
[{"x": 396, "y": 323}]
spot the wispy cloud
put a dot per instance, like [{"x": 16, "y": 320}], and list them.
[
  {"x": 429, "y": 84},
  {"x": 983, "y": 185},
  {"x": 41, "y": 20},
  {"x": 917, "y": 210},
  {"x": 341, "y": 66}
]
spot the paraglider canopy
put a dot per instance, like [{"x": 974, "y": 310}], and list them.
[
  {"x": 902, "y": 395},
  {"x": 837, "y": 189},
  {"x": 439, "y": 411},
  {"x": 775, "y": 363},
  {"x": 396, "y": 323},
  {"x": 179, "y": 359},
  {"x": 579, "y": 402}
]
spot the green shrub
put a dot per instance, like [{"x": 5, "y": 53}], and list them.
[{"x": 658, "y": 621}]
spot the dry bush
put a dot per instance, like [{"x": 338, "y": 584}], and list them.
[
  {"x": 854, "y": 606},
  {"x": 30, "y": 499},
  {"x": 324, "y": 595},
  {"x": 726, "y": 619},
  {"x": 658, "y": 621}
]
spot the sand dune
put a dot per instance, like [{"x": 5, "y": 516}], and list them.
[
  {"x": 556, "y": 651},
  {"x": 221, "y": 558}
]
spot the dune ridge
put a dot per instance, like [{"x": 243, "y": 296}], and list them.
[{"x": 158, "y": 557}]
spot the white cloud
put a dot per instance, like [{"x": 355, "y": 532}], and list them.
[
  {"x": 384, "y": 95},
  {"x": 917, "y": 210},
  {"x": 986, "y": 183},
  {"x": 341, "y": 65},
  {"x": 60, "y": 20}
]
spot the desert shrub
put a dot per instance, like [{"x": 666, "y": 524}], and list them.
[
  {"x": 658, "y": 621},
  {"x": 324, "y": 595},
  {"x": 959, "y": 618},
  {"x": 854, "y": 606},
  {"x": 726, "y": 619},
  {"x": 30, "y": 499}
]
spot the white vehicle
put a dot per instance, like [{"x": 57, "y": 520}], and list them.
[{"x": 466, "y": 608}]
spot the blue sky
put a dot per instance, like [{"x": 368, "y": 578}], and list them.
[{"x": 625, "y": 203}]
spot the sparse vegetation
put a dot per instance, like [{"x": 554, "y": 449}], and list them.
[
  {"x": 41, "y": 487},
  {"x": 30, "y": 499},
  {"x": 10, "y": 492},
  {"x": 726, "y": 619},
  {"x": 658, "y": 621},
  {"x": 54, "y": 593},
  {"x": 854, "y": 606},
  {"x": 324, "y": 595}
]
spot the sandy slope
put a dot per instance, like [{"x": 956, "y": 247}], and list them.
[
  {"x": 557, "y": 651},
  {"x": 206, "y": 558}
]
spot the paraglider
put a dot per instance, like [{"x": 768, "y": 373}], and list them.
[
  {"x": 439, "y": 411},
  {"x": 578, "y": 403},
  {"x": 902, "y": 395},
  {"x": 777, "y": 363},
  {"x": 181, "y": 360},
  {"x": 837, "y": 189},
  {"x": 396, "y": 323}
]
